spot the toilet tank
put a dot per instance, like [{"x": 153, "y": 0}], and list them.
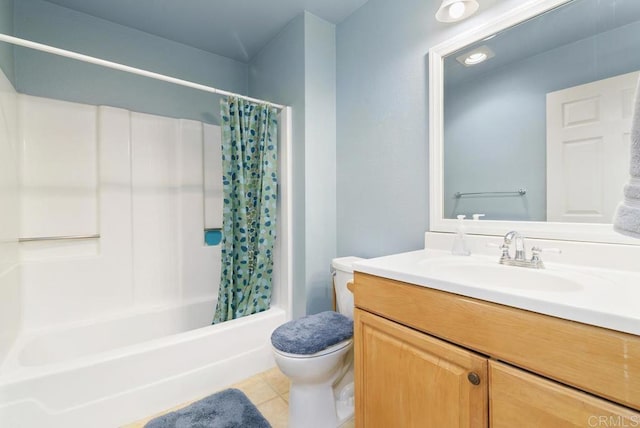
[{"x": 342, "y": 269}]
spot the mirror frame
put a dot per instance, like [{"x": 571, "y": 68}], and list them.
[{"x": 590, "y": 232}]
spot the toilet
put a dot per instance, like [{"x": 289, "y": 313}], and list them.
[{"x": 316, "y": 354}]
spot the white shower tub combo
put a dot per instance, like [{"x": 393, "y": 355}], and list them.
[{"x": 116, "y": 326}]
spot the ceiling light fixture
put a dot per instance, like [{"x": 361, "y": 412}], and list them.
[{"x": 456, "y": 10}]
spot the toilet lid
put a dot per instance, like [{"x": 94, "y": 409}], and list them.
[
  {"x": 326, "y": 351},
  {"x": 312, "y": 334}
]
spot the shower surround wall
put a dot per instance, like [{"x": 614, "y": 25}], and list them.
[
  {"x": 137, "y": 180},
  {"x": 118, "y": 327},
  {"x": 10, "y": 296}
]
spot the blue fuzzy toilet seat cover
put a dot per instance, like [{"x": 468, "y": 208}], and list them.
[{"x": 313, "y": 333}]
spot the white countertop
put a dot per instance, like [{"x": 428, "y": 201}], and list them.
[{"x": 606, "y": 298}]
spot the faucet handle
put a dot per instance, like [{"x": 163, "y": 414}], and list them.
[
  {"x": 535, "y": 254},
  {"x": 537, "y": 250},
  {"x": 503, "y": 247}
]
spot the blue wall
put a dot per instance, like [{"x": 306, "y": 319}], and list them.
[
  {"x": 382, "y": 122},
  {"x": 484, "y": 134},
  {"x": 54, "y": 77},
  {"x": 276, "y": 73},
  {"x": 6, "y": 50},
  {"x": 382, "y": 127},
  {"x": 320, "y": 160},
  {"x": 297, "y": 68}
]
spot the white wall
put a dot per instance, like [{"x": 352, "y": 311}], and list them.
[
  {"x": 10, "y": 296},
  {"x": 135, "y": 179}
]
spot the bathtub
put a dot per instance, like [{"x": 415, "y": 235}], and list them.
[{"x": 113, "y": 371}]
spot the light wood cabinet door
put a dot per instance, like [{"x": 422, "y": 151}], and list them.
[
  {"x": 408, "y": 379},
  {"x": 520, "y": 399}
]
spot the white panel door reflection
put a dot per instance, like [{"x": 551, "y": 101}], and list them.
[{"x": 588, "y": 143}]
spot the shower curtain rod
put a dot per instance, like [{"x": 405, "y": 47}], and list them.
[{"x": 121, "y": 67}]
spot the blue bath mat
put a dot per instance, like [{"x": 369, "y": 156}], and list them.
[{"x": 226, "y": 409}]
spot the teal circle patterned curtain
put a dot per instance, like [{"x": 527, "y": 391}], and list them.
[{"x": 250, "y": 183}]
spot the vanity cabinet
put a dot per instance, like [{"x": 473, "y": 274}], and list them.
[{"x": 428, "y": 358}]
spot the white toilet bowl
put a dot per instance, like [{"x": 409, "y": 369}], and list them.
[
  {"x": 321, "y": 392},
  {"x": 312, "y": 395}
]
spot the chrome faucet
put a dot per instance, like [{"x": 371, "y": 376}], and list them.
[
  {"x": 519, "y": 243},
  {"x": 520, "y": 257}
]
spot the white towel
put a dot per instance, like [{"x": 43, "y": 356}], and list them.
[{"x": 627, "y": 218}]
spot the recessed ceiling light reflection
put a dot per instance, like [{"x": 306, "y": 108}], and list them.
[{"x": 475, "y": 56}]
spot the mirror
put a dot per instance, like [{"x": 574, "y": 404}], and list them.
[{"x": 530, "y": 120}]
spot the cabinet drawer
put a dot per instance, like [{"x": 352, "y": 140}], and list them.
[
  {"x": 520, "y": 399},
  {"x": 603, "y": 362}
]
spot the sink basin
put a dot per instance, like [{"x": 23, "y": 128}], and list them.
[{"x": 492, "y": 274}]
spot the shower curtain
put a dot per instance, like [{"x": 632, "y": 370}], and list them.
[{"x": 250, "y": 179}]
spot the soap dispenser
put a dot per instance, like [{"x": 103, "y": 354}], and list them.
[{"x": 460, "y": 247}]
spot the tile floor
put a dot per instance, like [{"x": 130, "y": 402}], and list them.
[{"x": 269, "y": 391}]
